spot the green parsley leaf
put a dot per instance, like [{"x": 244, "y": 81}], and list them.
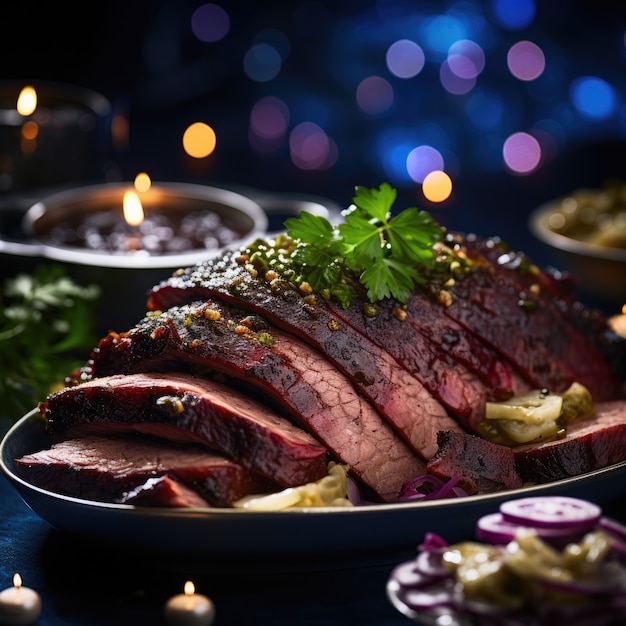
[
  {"x": 46, "y": 330},
  {"x": 376, "y": 203},
  {"x": 388, "y": 254}
]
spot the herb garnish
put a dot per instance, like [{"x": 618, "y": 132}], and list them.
[
  {"x": 46, "y": 329},
  {"x": 388, "y": 255}
]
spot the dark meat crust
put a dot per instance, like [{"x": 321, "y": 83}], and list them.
[
  {"x": 290, "y": 374},
  {"x": 588, "y": 445},
  {"x": 193, "y": 409},
  {"x": 398, "y": 394},
  {"x": 106, "y": 468}
]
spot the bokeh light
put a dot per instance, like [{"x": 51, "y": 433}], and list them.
[
  {"x": 262, "y": 63},
  {"x": 514, "y": 14},
  {"x": 441, "y": 31},
  {"x": 466, "y": 59},
  {"x": 522, "y": 153},
  {"x": 199, "y": 140},
  {"x": 593, "y": 97},
  {"x": 311, "y": 148},
  {"x": 453, "y": 83},
  {"x": 392, "y": 90},
  {"x": 392, "y": 148},
  {"x": 423, "y": 160},
  {"x": 405, "y": 58},
  {"x": 210, "y": 23},
  {"x": 269, "y": 120},
  {"x": 526, "y": 60},
  {"x": 142, "y": 182},
  {"x": 437, "y": 186},
  {"x": 374, "y": 95}
]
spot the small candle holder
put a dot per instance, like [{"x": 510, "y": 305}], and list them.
[
  {"x": 64, "y": 138},
  {"x": 19, "y": 604},
  {"x": 180, "y": 224},
  {"x": 189, "y": 608},
  {"x": 84, "y": 229}
]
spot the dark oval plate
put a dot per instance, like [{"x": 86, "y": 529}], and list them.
[{"x": 312, "y": 531}]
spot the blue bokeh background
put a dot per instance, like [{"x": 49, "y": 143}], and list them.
[{"x": 318, "y": 96}]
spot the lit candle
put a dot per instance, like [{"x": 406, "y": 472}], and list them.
[
  {"x": 134, "y": 216},
  {"x": 51, "y": 134},
  {"x": 189, "y": 608},
  {"x": 19, "y": 605}
]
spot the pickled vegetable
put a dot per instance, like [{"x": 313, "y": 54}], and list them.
[
  {"x": 331, "y": 490},
  {"x": 536, "y": 416},
  {"x": 528, "y": 572}
]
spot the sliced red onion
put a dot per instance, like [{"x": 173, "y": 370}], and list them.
[
  {"x": 408, "y": 576},
  {"x": 495, "y": 528},
  {"x": 552, "y": 512},
  {"x": 431, "y": 564},
  {"x": 556, "y": 520},
  {"x": 613, "y": 527},
  {"x": 429, "y": 487},
  {"x": 432, "y": 541},
  {"x": 427, "y": 598}
]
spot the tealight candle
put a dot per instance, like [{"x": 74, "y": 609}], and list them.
[
  {"x": 50, "y": 134},
  {"x": 18, "y": 604},
  {"x": 189, "y": 608}
]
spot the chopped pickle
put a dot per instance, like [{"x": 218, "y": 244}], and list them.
[
  {"x": 536, "y": 416},
  {"x": 531, "y": 557},
  {"x": 514, "y": 575},
  {"x": 535, "y": 407},
  {"x": 331, "y": 490},
  {"x": 583, "y": 558},
  {"x": 519, "y": 431},
  {"x": 577, "y": 404}
]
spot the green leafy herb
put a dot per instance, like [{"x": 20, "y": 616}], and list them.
[
  {"x": 388, "y": 254},
  {"x": 46, "y": 330}
]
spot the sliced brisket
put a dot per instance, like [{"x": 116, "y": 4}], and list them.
[
  {"x": 184, "y": 408},
  {"x": 164, "y": 491},
  {"x": 483, "y": 466},
  {"x": 107, "y": 468},
  {"x": 202, "y": 339},
  {"x": 460, "y": 370},
  {"x": 507, "y": 302},
  {"x": 588, "y": 445},
  {"x": 404, "y": 398}
]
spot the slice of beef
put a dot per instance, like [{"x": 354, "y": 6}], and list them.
[
  {"x": 184, "y": 408},
  {"x": 505, "y": 301},
  {"x": 105, "y": 468},
  {"x": 164, "y": 491},
  {"x": 399, "y": 395},
  {"x": 588, "y": 445},
  {"x": 285, "y": 371},
  {"x": 458, "y": 368},
  {"x": 483, "y": 466}
]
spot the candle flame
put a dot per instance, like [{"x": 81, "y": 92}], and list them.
[
  {"x": 27, "y": 101},
  {"x": 190, "y": 589},
  {"x": 133, "y": 211},
  {"x": 17, "y": 581}
]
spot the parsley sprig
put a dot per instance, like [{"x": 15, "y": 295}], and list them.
[
  {"x": 388, "y": 254},
  {"x": 46, "y": 330}
]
